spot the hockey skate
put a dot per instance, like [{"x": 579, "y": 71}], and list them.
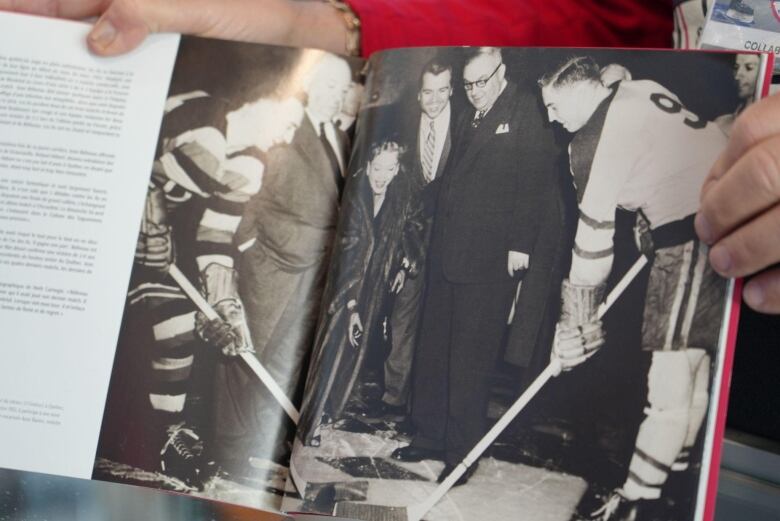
[
  {"x": 617, "y": 507},
  {"x": 181, "y": 456},
  {"x": 741, "y": 12}
]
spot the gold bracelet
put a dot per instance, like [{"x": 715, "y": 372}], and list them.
[{"x": 352, "y": 45}]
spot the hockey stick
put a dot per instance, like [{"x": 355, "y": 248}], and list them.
[
  {"x": 416, "y": 512},
  {"x": 253, "y": 363}
]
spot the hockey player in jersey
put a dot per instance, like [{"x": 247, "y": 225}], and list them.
[
  {"x": 636, "y": 147},
  {"x": 161, "y": 342},
  {"x": 208, "y": 166},
  {"x": 223, "y": 172}
]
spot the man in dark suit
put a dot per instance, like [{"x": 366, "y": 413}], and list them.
[
  {"x": 501, "y": 177},
  {"x": 432, "y": 134},
  {"x": 285, "y": 237}
]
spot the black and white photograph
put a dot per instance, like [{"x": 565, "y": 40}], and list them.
[
  {"x": 519, "y": 321},
  {"x": 229, "y": 270}
]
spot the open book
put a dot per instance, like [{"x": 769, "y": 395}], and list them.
[{"x": 355, "y": 279}]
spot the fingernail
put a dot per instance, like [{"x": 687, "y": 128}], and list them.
[
  {"x": 720, "y": 259},
  {"x": 703, "y": 228},
  {"x": 103, "y": 34},
  {"x": 754, "y": 295}
]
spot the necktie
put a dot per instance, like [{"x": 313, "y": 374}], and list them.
[
  {"x": 332, "y": 159},
  {"x": 478, "y": 119},
  {"x": 428, "y": 152}
]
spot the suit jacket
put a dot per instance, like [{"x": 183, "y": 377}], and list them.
[
  {"x": 506, "y": 187},
  {"x": 495, "y": 185},
  {"x": 414, "y": 147},
  {"x": 293, "y": 216},
  {"x": 421, "y": 192}
]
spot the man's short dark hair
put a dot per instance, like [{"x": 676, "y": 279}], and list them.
[
  {"x": 436, "y": 66},
  {"x": 573, "y": 70}
]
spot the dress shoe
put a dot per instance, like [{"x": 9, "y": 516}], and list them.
[
  {"x": 395, "y": 413},
  {"x": 461, "y": 480},
  {"x": 412, "y": 454}
]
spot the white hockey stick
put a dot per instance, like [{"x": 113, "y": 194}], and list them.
[
  {"x": 416, "y": 512},
  {"x": 253, "y": 363}
]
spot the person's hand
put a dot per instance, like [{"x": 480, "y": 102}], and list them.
[
  {"x": 226, "y": 333},
  {"x": 398, "y": 282},
  {"x": 516, "y": 261},
  {"x": 154, "y": 246},
  {"x": 123, "y": 24},
  {"x": 740, "y": 205},
  {"x": 355, "y": 329},
  {"x": 216, "y": 332},
  {"x": 154, "y": 251},
  {"x": 573, "y": 345}
]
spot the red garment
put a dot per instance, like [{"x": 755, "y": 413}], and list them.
[{"x": 567, "y": 23}]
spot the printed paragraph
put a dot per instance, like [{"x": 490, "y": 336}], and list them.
[
  {"x": 30, "y": 412},
  {"x": 41, "y": 159},
  {"x": 48, "y": 252},
  {"x": 41, "y": 300},
  {"x": 56, "y": 96},
  {"x": 23, "y": 200}
]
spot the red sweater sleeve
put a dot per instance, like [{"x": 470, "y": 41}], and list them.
[{"x": 567, "y": 23}]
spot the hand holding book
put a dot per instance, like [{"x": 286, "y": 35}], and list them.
[
  {"x": 740, "y": 206},
  {"x": 122, "y": 25}
]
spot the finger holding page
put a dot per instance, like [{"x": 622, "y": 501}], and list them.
[
  {"x": 75, "y": 9},
  {"x": 740, "y": 204},
  {"x": 124, "y": 24},
  {"x": 758, "y": 122},
  {"x": 750, "y": 187}
]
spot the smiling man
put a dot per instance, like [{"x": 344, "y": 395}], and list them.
[{"x": 432, "y": 132}]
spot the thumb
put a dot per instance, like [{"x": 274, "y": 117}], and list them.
[{"x": 126, "y": 23}]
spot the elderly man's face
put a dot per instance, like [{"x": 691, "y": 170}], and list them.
[
  {"x": 565, "y": 105},
  {"x": 352, "y": 99},
  {"x": 327, "y": 91},
  {"x": 435, "y": 92},
  {"x": 382, "y": 170},
  {"x": 483, "y": 69}
]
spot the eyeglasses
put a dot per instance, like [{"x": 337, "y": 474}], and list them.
[{"x": 469, "y": 85}]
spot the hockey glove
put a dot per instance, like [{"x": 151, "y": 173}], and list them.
[
  {"x": 230, "y": 334},
  {"x": 154, "y": 248},
  {"x": 573, "y": 345}
]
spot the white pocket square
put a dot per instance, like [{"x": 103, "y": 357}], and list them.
[{"x": 503, "y": 128}]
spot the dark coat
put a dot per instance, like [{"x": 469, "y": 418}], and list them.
[
  {"x": 367, "y": 257},
  {"x": 501, "y": 191},
  {"x": 294, "y": 214},
  {"x": 538, "y": 306}
]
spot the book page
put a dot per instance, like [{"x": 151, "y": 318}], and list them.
[
  {"x": 229, "y": 269},
  {"x": 77, "y": 136},
  {"x": 520, "y": 319}
]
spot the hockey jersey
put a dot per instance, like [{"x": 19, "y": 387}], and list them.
[{"x": 649, "y": 154}]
